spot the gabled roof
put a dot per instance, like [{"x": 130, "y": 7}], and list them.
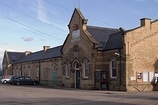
[
  {"x": 115, "y": 41},
  {"x": 82, "y": 17},
  {"x": 80, "y": 14},
  {"x": 41, "y": 55},
  {"x": 13, "y": 56},
  {"x": 101, "y": 34}
]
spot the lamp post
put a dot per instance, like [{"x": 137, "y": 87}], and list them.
[{"x": 120, "y": 68}]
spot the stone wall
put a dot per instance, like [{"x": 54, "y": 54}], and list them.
[
  {"x": 102, "y": 64},
  {"x": 142, "y": 55}
]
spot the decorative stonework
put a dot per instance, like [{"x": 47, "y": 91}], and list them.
[{"x": 75, "y": 53}]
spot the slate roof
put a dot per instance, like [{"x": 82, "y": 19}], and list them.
[
  {"x": 101, "y": 35},
  {"x": 13, "y": 56},
  {"x": 40, "y": 55},
  {"x": 115, "y": 41}
]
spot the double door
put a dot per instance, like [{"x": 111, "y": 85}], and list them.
[{"x": 101, "y": 80}]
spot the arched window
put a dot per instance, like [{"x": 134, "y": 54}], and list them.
[
  {"x": 113, "y": 68},
  {"x": 54, "y": 66},
  {"x": 67, "y": 69},
  {"x": 85, "y": 68}
]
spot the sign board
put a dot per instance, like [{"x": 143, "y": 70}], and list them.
[
  {"x": 151, "y": 76},
  {"x": 133, "y": 78},
  {"x": 145, "y": 76},
  {"x": 139, "y": 76},
  {"x": 75, "y": 35}
]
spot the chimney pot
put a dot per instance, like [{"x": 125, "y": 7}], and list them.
[
  {"x": 46, "y": 48},
  {"x": 27, "y": 53}
]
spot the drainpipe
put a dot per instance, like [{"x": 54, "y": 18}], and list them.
[
  {"x": 21, "y": 69},
  {"x": 120, "y": 68},
  {"x": 12, "y": 68},
  {"x": 39, "y": 71}
]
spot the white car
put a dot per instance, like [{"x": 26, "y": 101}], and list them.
[{"x": 6, "y": 79}]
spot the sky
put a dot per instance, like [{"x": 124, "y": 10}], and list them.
[{"x": 28, "y": 25}]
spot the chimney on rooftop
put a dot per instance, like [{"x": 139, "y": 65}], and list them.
[
  {"x": 122, "y": 29},
  {"x": 46, "y": 48},
  {"x": 145, "y": 22},
  {"x": 27, "y": 53}
]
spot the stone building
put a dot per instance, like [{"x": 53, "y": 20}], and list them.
[
  {"x": 44, "y": 65},
  {"x": 8, "y": 59},
  {"x": 89, "y": 56},
  {"x": 141, "y": 49},
  {"x": 93, "y": 57}
]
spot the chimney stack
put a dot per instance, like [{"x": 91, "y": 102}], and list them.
[
  {"x": 27, "y": 53},
  {"x": 145, "y": 22},
  {"x": 46, "y": 48}
]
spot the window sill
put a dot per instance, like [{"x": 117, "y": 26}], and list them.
[
  {"x": 85, "y": 78},
  {"x": 67, "y": 78},
  {"x": 113, "y": 78}
]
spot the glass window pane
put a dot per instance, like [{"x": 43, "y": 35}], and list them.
[
  {"x": 113, "y": 63},
  {"x": 85, "y": 68},
  {"x": 77, "y": 65},
  {"x": 113, "y": 69},
  {"x": 67, "y": 68},
  {"x": 114, "y": 72},
  {"x": 86, "y": 72}
]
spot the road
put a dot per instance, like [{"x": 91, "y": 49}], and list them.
[{"x": 40, "y": 95}]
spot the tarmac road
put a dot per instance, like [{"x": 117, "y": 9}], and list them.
[{"x": 40, "y": 95}]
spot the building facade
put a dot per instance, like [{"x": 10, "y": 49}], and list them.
[
  {"x": 88, "y": 56},
  {"x": 141, "y": 47},
  {"x": 44, "y": 65},
  {"x": 8, "y": 59},
  {"x": 94, "y": 57}
]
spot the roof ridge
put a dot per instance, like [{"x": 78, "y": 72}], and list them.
[
  {"x": 48, "y": 49},
  {"x": 101, "y": 27},
  {"x": 14, "y": 52}
]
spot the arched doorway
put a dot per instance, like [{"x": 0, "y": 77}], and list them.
[{"x": 77, "y": 75}]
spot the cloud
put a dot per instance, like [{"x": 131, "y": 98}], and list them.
[
  {"x": 43, "y": 16},
  {"x": 4, "y": 43},
  {"x": 41, "y": 12},
  {"x": 1, "y": 56},
  {"x": 1, "y": 51},
  {"x": 27, "y": 39}
]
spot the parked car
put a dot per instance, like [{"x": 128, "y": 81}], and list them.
[
  {"x": 23, "y": 80},
  {"x": 1, "y": 78},
  {"x": 7, "y": 78}
]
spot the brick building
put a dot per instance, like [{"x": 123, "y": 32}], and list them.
[{"x": 141, "y": 47}]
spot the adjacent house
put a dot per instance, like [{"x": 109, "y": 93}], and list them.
[
  {"x": 8, "y": 59},
  {"x": 93, "y": 57},
  {"x": 44, "y": 65},
  {"x": 141, "y": 49}
]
